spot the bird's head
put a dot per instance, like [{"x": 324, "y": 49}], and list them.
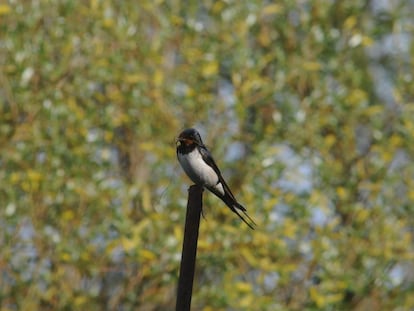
[{"x": 189, "y": 137}]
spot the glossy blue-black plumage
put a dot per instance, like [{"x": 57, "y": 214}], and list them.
[{"x": 200, "y": 166}]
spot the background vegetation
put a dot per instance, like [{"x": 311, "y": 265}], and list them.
[{"x": 307, "y": 106}]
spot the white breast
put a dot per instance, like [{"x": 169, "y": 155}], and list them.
[{"x": 195, "y": 167}]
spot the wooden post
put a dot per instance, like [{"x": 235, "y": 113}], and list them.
[{"x": 189, "y": 252}]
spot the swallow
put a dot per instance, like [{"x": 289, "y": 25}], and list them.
[{"x": 199, "y": 165}]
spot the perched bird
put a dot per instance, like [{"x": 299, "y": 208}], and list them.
[{"x": 200, "y": 166}]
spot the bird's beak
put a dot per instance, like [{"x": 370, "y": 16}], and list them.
[{"x": 186, "y": 141}]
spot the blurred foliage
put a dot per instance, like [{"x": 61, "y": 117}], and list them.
[{"x": 307, "y": 105}]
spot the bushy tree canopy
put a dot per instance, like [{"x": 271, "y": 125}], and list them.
[{"x": 306, "y": 105}]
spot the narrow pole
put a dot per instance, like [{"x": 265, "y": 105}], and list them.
[{"x": 189, "y": 252}]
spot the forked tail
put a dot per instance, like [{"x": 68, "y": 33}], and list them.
[
  {"x": 250, "y": 221},
  {"x": 236, "y": 207}
]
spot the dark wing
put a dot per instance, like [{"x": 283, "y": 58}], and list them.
[
  {"x": 228, "y": 198},
  {"x": 208, "y": 158}
]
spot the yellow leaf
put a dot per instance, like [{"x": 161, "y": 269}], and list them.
[
  {"x": 120, "y": 118},
  {"x": 271, "y": 9},
  {"x": 218, "y": 7},
  {"x": 311, "y": 66},
  {"x": 350, "y": 22},
  {"x": 108, "y": 136},
  {"x": 411, "y": 194},
  {"x": 289, "y": 267},
  {"x": 14, "y": 178},
  {"x": 127, "y": 244},
  {"x": 248, "y": 255},
  {"x": 4, "y": 9},
  {"x": 362, "y": 215},
  {"x": 373, "y": 110},
  {"x": 177, "y": 20},
  {"x": 261, "y": 238},
  {"x": 26, "y": 186},
  {"x": 342, "y": 193},
  {"x": 34, "y": 176},
  {"x": 244, "y": 287},
  {"x": 396, "y": 141},
  {"x": 367, "y": 41},
  {"x": 147, "y": 146},
  {"x": 334, "y": 298},
  {"x": 85, "y": 256},
  {"x": 74, "y": 107},
  {"x": 264, "y": 37},
  {"x": 158, "y": 78},
  {"x": 289, "y": 229},
  {"x": 133, "y": 78},
  {"x": 80, "y": 301},
  {"x": 203, "y": 245},
  {"x": 189, "y": 92},
  {"x": 94, "y": 4},
  {"x": 33, "y": 180},
  {"x": 330, "y": 140},
  {"x": 316, "y": 297},
  {"x": 209, "y": 69},
  {"x": 114, "y": 94},
  {"x": 387, "y": 156},
  {"x": 108, "y": 23},
  {"x": 65, "y": 257},
  {"x": 357, "y": 96},
  {"x": 246, "y": 302},
  {"x": 266, "y": 264},
  {"x": 147, "y": 255},
  {"x": 68, "y": 215}
]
